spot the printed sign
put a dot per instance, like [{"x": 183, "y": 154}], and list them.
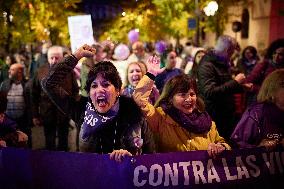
[
  {"x": 80, "y": 30},
  {"x": 248, "y": 168}
]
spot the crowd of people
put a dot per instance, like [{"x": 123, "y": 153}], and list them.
[{"x": 149, "y": 101}]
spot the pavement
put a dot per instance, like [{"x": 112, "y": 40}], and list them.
[{"x": 38, "y": 142}]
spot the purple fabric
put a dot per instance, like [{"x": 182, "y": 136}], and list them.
[
  {"x": 247, "y": 168},
  {"x": 196, "y": 122},
  {"x": 7, "y": 126},
  {"x": 94, "y": 121},
  {"x": 259, "y": 121}
]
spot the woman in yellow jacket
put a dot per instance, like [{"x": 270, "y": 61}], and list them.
[{"x": 178, "y": 119}]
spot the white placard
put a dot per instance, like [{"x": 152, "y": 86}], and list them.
[{"x": 81, "y": 31}]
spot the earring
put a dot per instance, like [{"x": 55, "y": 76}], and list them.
[{"x": 272, "y": 99}]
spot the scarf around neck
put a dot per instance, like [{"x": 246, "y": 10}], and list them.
[
  {"x": 196, "y": 122},
  {"x": 93, "y": 120}
]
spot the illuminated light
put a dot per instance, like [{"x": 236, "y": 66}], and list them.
[
  {"x": 11, "y": 18},
  {"x": 123, "y": 14},
  {"x": 30, "y": 6},
  {"x": 211, "y": 8},
  {"x": 137, "y": 30}
]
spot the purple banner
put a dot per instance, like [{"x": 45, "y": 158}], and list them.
[{"x": 248, "y": 168}]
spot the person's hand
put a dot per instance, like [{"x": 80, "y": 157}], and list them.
[
  {"x": 153, "y": 65},
  {"x": 248, "y": 86},
  {"x": 240, "y": 78},
  {"x": 269, "y": 144},
  {"x": 84, "y": 51},
  {"x": 118, "y": 155},
  {"x": 3, "y": 143},
  {"x": 215, "y": 149},
  {"x": 22, "y": 137},
  {"x": 37, "y": 122}
]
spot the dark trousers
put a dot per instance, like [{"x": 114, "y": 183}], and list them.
[
  {"x": 54, "y": 130},
  {"x": 225, "y": 124},
  {"x": 24, "y": 125},
  {"x": 80, "y": 120}
]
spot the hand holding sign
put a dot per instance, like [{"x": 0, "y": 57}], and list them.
[
  {"x": 215, "y": 149},
  {"x": 118, "y": 155}
]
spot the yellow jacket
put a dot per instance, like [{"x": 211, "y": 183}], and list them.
[{"x": 169, "y": 136}]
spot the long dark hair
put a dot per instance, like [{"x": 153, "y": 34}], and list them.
[
  {"x": 273, "y": 46},
  {"x": 179, "y": 84},
  {"x": 195, "y": 65},
  {"x": 253, "y": 50}
]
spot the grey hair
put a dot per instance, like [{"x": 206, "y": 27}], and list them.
[
  {"x": 225, "y": 43},
  {"x": 56, "y": 48}
]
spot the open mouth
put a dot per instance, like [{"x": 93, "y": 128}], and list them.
[
  {"x": 101, "y": 101},
  {"x": 135, "y": 78}
]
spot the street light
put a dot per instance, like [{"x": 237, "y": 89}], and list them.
[{"x": 211, "y": 8}]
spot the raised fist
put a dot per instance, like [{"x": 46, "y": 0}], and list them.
[{"x": 85, "y": 51}]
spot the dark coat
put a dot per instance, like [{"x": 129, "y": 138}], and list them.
[
  {"x": 216, "y": 85},
  {"x": 129, "y": 117},
  {"x": 42, "y": 105},
  {"x": 217, "y": 88},
  {"x": 260, "y": 72},
  {"x": 166, "y": 75},
  {"x": 6, "y": 86},
  {"x": 127, "y": 123}
]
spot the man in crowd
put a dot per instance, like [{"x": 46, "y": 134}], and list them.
[
  {"x": 138, "y": 53},
  {"x": 44, "y": 111},
  {"x": 17, "y": 98},
  {"x": 217, "y": 87}
]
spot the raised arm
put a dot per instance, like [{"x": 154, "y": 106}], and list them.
[
  {"x": 62, "y": 69},
  {"x": 57, "y": 74},
  {"x": 143, "y": 91}
]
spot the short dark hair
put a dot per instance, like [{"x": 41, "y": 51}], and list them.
[
  {"x": 108, "y": 71},
  {"x": 3, "y": 102}
]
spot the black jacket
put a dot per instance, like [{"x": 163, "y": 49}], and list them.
[
  {"x": 6, "y": 86},
  {"x": 216, "y": 86},
  {"x": 120, "y": 133},
  {"x": 129, "y": 118},
  {"x": 42, "y": 105}
]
